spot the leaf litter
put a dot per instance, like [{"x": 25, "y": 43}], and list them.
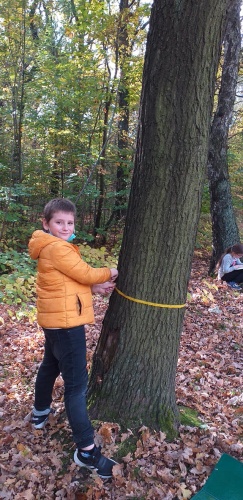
[{"x": 38, "y": 465}]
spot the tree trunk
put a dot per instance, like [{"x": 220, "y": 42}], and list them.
[
  {"x": 123, "y": 120},
  {"x": 123, "y": 54},
  {"x": 101, "y": 175},
  {"x": 55, "y": 179},
  {"x": 18, "y": 91},
  {"x": 133, "y": 375},
  {"x": 224, "y": 226}
]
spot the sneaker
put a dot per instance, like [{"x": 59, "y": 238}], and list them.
[
  {"x": 39, "y": 421},
  {"x": 234, "y": 285},
  {"x": 96, "y": 461}
]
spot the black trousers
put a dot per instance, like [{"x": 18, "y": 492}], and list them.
[
  {"x": 236, "y": 275},
  {"x": 65, "y": 353}
]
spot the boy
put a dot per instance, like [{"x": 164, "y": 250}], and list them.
[{"x": 64, "y": 305}]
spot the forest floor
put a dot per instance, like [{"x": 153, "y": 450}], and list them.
[{"x": 38, "y": 465}]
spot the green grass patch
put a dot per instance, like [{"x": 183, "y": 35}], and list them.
[
  {"x": 129, "y": 445},
  {"x": 188, "y": 416}
]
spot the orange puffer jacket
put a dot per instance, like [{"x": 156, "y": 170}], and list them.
[{"x": 64, "y": 280}]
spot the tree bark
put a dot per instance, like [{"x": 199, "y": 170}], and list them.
[
  {"x": 101, "y": 175},
  {"x": 133, "y": 375},
  {"x": 123, "y": 55},
  {"x": 224, "y": 226},
  {"x": 124, "y": 50},
  {"x": 18, "y": 98}
]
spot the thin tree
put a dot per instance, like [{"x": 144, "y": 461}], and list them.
[
  {"x": 224, "y": 225},
  {"x": 124, "y": 49},
  {"x": 14, "y": 74},
  {"x": 128, "y": 32},
  {"x": 133, "y": 375}
]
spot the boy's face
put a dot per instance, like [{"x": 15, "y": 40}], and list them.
[{"x": 60, "y": 225}]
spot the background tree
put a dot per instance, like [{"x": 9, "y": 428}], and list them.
[
  {"x": 59, "y": 84},
  {"x": 130, "y": 36},
  {"x": 127, "y": 36},
  {"x": 133, "y": 375},
  {"x": 14, "y": 70},
  {"x": 224, "y": 225}
]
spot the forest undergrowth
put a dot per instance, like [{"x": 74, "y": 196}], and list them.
[{"x": 38, "y": 465}]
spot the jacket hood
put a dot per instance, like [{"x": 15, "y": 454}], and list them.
[{"x": 38, "y": 241}]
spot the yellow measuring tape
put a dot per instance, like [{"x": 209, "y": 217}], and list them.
[{"x": 154, "y": 304}]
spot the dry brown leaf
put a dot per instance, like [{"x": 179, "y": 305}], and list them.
[{"x": 209, "y": 380}]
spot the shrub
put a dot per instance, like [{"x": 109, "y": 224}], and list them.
[
  {"x": 17, "y": 272},
  {"x": 17, "y": 277}
]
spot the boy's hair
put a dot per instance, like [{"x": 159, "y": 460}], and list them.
[
  {"x": 56, "y": 205},
  {"x": 237, "y": 249}
]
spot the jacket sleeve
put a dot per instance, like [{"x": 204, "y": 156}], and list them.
[
  {"x": 227, "y": 264},
  {"x": 68, "y": 261}
]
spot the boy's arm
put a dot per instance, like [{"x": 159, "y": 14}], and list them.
[{"x": 68, "y": 261}]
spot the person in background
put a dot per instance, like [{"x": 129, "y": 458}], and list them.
[
  {"x": 64, "y": 286},
  {"x": 231, "y": 267}
]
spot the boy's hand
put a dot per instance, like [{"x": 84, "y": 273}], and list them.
[
  {"x": 114, "y": 274},
  {"x": 103, "y": 288}
]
